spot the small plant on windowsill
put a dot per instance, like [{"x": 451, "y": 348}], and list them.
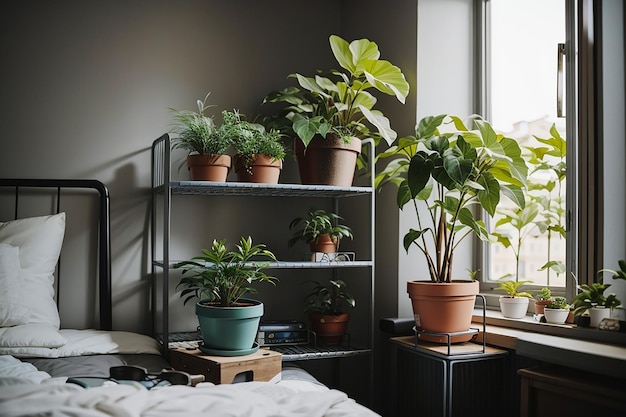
[
  {"x": 542, "y": 298},
  {"x": 557, "y": 311},
  {"x": 515, "y": 303}
]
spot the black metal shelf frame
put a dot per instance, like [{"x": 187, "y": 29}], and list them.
[{"x": 162, "y": 185}]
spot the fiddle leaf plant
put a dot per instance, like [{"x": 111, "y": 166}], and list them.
[
  {"x": 341, "y": 101},
  {"x": 443, "y": 174},
  {"x": 224, "y": 276}
]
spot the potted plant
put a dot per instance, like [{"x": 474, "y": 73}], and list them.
[
  {"x": 542, "y": 298},
  {"x": 557, "y": 311},
  {"x": 326, "y": 307},
  {"x": 443, "y": 176},
  {"x": 592, "y": 300},
  {"x": 320, "y": 230},
  {"x": 219, "y": 279},
  {"x": 200, "y": 137},
  {"x": 329, "y": 114},
  {"x": 259, "y": 153},
  {"x": 515, "y": 303}
]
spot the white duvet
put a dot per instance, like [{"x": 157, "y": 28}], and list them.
[{"x": 25, "y": 391}]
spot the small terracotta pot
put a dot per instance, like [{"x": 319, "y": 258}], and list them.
[
  {"x": 262, "y": 169},
  {"x": 540, "y": 305},
  {"x": 324, "y": 244},
  {"x": 329, "y": 328},
  {"x": 208, "y": 167}
]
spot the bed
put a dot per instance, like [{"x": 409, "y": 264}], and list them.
[{"x": 39, "y": 353}]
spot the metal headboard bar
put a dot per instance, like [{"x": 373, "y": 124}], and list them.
[{"x": 104, "y": 235}]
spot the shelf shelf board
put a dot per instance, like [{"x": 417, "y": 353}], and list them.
[
  {"x": 300, "y": 264},
  {"x": 264, "y": 190},
  {"x": 307, "y": 352}
]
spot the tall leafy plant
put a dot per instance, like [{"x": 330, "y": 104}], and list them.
[
  {"x": 341, "y": 101},
  {"x": 448, "y": 174}
]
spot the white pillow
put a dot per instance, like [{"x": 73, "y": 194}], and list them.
[
  {"x": 31, "y": 335},
  {"x": 39, "y": 240},
  {"x": 12, "y": 311}
]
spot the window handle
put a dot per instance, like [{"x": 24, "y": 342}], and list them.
[{"x": 560, "y": 57}]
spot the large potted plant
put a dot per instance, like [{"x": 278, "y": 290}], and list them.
[
  {"x": 443, "y": 176},
  {"x": 259, "y": 153},
  {"x": 326, "y": 305},
  {"x": 198, "y": 134},
  {"x": 321, "y": 230},
  {"x": 329, "y": 114},
  {"x": 219, "y": 279}
]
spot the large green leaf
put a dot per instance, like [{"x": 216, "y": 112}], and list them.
[
  {"x": 382, "y": 124},
  {"x": 387, "y": 78},
  {"x": 457, "y": 167},
  {"x": 427, "y": 127},
  {"x": 419, "y": 172},
  {"x": 349, "y": 55},
  {"x": 489, "y": 197},
  {"x": 411, "y": 237}
]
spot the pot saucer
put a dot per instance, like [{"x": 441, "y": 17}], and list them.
[{"x": 219, "y": 352}]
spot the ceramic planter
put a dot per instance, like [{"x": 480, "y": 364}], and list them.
[
  {"x": 443, "y": 308},
  {"x": 329, "y": 328},
  {"x": 513, "y": 307},
  {"x": 262, "y": 169},
  {"x": 556, "y": 315},
  {"x": 208, "y": 167},
  {"x": 327, "y": 161},
  {"x": 231, "y": 330},
  {"x": 596, "y": 314}
]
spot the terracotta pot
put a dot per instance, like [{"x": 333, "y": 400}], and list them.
[
  {"x": 329, "y": 328},
  {"x": 327, "y": 161},
  {"x": 443, "y": 308},
  {"x": 324, "y": 244},
  {"x": 540, "y": 305},
  {"x": 208, "y": 167},
  {"x": 514, "y": 307},
  {"x": 262, "y": 169}
]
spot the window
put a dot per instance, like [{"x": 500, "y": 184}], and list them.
[{"x": 521, "y": 41}]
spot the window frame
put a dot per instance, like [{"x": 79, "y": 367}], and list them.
[{"x": 583, "y": 186}]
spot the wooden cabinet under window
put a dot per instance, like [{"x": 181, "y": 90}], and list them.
[{"x": 552, "y": 390}]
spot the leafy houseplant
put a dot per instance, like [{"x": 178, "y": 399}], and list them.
[
  {"x": 591, "y": 297},
  {"x": 515, "y": 303},
  {"x": 220, "y": 278},
  {"x": 443, "y": 175},
  {"x": 254, "y": 147},
  {"x": 335, "y": 108},
  {"x": 321, "y": 230},
  {"x": 198, "y": 134},
  {"x": 326, "y": 307}
]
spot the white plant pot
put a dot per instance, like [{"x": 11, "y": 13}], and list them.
[
  {"x": 596, "y": 314},
  {"x": 513, "y": 307},
  {"x": 555, "y": 315}
]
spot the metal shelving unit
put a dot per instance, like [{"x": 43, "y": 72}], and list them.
[{"x": 163, "y": 188}]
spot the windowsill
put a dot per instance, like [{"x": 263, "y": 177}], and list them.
[
  {"x": 528, "y": 324},
  {"x": 592, "y": 350}
]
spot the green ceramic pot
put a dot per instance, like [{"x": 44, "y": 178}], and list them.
[{"x": 229, "y": 328}]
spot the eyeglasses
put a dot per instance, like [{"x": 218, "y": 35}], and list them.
[{"x": 137, "y": 373}]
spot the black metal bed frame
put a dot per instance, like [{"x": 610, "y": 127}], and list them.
[{"x": 104, "y": 235}]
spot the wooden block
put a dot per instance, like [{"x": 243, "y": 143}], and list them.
[{"x": 263, "y": 365}]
